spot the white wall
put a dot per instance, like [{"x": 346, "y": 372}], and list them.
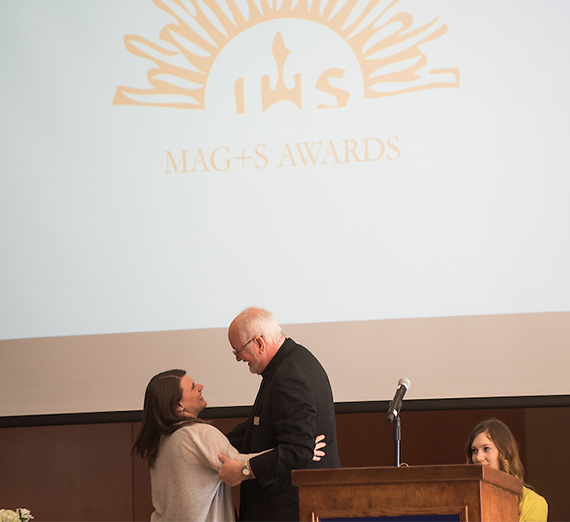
[{"x": 437, "y": 189}]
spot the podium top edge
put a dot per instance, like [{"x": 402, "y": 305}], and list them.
[{"x": 402, "y": 474}]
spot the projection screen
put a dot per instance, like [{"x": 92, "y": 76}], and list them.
[{"x": 389, "y": 178}]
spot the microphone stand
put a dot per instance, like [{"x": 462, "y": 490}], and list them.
[
  {"x": 397, "y": 441},
  {"x": 394, "y": 415}
]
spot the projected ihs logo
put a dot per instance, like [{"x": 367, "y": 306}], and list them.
[{"x": 285, "y": 63}]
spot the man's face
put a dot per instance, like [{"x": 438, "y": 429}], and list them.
[{"x": 247, "y": 350}]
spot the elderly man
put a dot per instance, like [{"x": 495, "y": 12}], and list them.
[{"x": 293, "y": 406}]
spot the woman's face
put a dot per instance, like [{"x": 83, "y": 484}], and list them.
[
  {"x": 484, "y": 451},
  {"x": 192, "y": 402}
]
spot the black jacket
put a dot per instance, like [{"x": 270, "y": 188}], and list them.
[{"x": 294, "y": 404}]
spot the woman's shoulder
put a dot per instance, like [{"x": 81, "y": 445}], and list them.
[
  {"x": 533, "y": 507},
  {"x": 205, "y": 439},
  {"x": 197, "y": 429},
  {"x": 201, "y": 431}
]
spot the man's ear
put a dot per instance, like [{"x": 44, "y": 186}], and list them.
[{"x": 260, "y": 341}]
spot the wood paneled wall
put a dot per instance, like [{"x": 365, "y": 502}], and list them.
[{"x": 85, "y": 472}]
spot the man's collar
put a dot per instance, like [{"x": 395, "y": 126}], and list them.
[{"x": 277, "y": 359}]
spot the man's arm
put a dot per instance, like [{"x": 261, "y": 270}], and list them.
[
  {"x": 292, "y": 429},
  {"x": 232, "y": 471}
]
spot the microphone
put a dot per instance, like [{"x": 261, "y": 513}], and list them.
[{"x": 396, "y": 404}]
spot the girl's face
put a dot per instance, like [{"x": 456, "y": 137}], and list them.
[
  {"x": 192, "y": 402},
  {"x": 484, "y": 451}
]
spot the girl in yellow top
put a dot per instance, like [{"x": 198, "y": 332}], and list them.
[{"x": 491, "y": 443}]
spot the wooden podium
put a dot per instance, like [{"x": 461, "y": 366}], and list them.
[{"x": 458, "y": 492}]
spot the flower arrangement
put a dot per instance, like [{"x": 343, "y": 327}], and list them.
[{"x": 20, "y": 515}]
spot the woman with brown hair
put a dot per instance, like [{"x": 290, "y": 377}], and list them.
[
  {"x": 491, "y": 443},
  {"x": 182, "y": 452}
]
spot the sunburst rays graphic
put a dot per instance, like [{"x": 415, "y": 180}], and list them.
[{"x": 385, "y": 42}]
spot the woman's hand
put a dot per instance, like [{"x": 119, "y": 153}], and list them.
[{"x": 317, "y": 453}]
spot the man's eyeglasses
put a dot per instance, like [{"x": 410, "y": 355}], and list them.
[{"x": 236, "y": 352}]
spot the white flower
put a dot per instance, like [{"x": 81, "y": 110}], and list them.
[
  {"x": 7, "y": 515},
  {"x": 24, "y": 514},
  {"x": 20, "y": 515}
]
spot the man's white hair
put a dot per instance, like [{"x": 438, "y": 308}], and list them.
[{"x": 257, "y": 321}]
